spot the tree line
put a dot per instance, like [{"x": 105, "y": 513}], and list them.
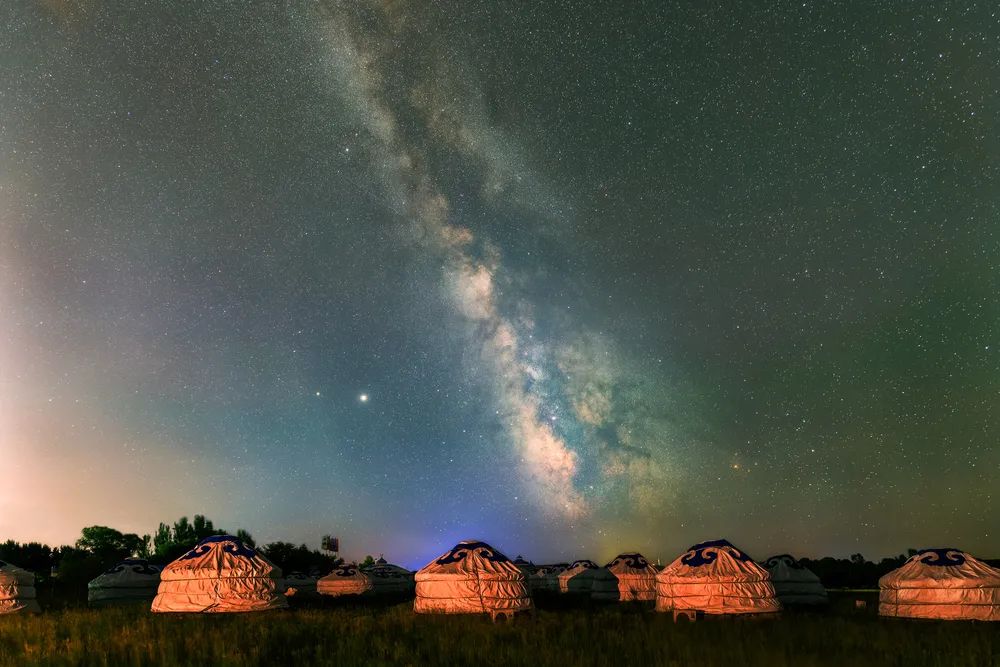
[{"x": 70, "y": 567}]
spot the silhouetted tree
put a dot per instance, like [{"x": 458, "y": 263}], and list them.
[
  {"x": 32, "y": 556},
  {"x": 110, "y": 545},
  {"x": 291, "y": 558},
  {"x": 169, "y": 542}
]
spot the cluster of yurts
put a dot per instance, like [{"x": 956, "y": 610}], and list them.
[{"x": 222, "y": 574}]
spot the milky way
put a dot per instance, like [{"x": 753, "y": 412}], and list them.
[{"x": 614, "y": 278}]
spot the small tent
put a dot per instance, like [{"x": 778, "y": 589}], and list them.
[
  {"x": 627, "y": 578},
  {"x": 389, "y": 579},
  {"x": 715, "y": 578},
  {"x": 579, "y": 577},
  {"x": 345, "y": 580},
  {"x": 130, "y": 580},
  {"x": 220, "y": 574},
  {"x": 471, "y": 578},
  {"x": 17, "y": 590},
  {"x": 794, "y": 583},
  {"x": 546, "y": 577},
  {"x": 946, "y": 584}
]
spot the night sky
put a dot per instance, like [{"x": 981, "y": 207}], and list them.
[{"x": 572, "y": 278}]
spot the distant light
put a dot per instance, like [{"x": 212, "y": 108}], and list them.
[
  {"x": 363, "y": 398},
  {"x": 317, "y": 393}
]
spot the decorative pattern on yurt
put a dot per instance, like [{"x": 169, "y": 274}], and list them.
[
  {"x": 579, "y": 577},
  {"x": 220, "y": 574},
  {"x": 628, "y": 577},
  {"x": 130, "y": 580},
  {"x": 546, "y": 577},
  {"x": 471, "y": 578},
  {"x": 715, "y": 578},
  {"x": 390, "y": 579},
  {"x": 345, "y": 580},
  {"x": 946, "y": 584},
  {"x": 793, "y": 582}
]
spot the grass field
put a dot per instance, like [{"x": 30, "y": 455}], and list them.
[{"x": 557, "y": 634}]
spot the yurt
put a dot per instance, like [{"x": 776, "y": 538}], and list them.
[
  {"x": 526, "y": 567},
  {"x": 389, "y": 579},
  {"x": 715, "y": 578},
  {"x": 627, "y": 578},
  {"x": 579, "y": 577},
  {"x": 17, "y": 590},
  {"x": 946, "y": 584},
  {"x": 793, "y": 582},
  {"x": 304, "y": 586},
  {"x": 345, "y": 580},
  {"x": 472, "y": 578},
  {"x": 546, "y": 577},
  {"x": 220, "y": 574},
  {"x": 128, "y": 581}
]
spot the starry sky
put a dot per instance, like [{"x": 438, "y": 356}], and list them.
[{"x": 573, "y": 278}]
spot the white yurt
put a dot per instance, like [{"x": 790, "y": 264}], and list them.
[
  {"x": 130, "y": 580},
  {"x": 472, "y": 578},
  {"x": 220, "y": 574},
  {"x": 390, "y": 579},
  {"x": 345, "y": 580},
  {"x": 304, "y": 586},
  {"x": 715, "y": 578},
  {"x": 946, "y": 584},
  {"x": 629, "y": 577},
  {"x": 793, "y": 582},
  {"x": 579, "y": 577},
  {"x": 546, "y": 577},
  {"x": 526, "y": 567},
  {"x": 17, "y": 590}
]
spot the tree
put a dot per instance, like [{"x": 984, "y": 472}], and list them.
[
  {"x": 291, "y": 558},
  {"x": 368, "y": 561},
  {"x": 172, "y": 541},
  {"x": 32, "y": 556},
  {"x": 245, "y": 537},
  {"x": 109, "y": 545}
]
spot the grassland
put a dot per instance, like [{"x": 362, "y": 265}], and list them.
[{"x": 556, "y": 634}]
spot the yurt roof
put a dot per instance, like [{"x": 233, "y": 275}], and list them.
[
  {"x": 230, "y": 556},
  {"x": 138, "y": 570},
  {"x": 715, "y": 560},
  {"x": 932, "y": 566},
  {"x": 630, "y": 562}
]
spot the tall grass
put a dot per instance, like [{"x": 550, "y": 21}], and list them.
[{"x": 558, "y": 637}]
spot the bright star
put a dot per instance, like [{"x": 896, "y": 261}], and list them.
[{"x": 363, "y": 398}]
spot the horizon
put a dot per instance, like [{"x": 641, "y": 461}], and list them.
[{"x": 574, "y": 284}]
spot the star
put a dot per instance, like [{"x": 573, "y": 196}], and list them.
[{"x": 363, "y": 398}]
